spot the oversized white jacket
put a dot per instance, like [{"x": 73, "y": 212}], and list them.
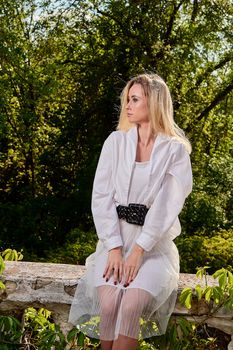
[{"x": 169, "y": 181}]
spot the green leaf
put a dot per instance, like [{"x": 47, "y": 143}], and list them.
[
  {"x": 230, "y": 278},
  {"x": 72, "y": 334},
  {"x": 186, "y": 297},
  {"x": 222, "y": 280},
  {"x": 218, "y": 273},
  {"x": 2, "y": 285},
  {"x": 208, "y": 293},
  {"x": 185, "y": 326},
  {"x": 81, "y": 339},
  {"x": 2, "y": 265},
  {"x": 199, "y": 291},
  {"x": 217, "y": 294},
  {"x": 202, "y": 271}
]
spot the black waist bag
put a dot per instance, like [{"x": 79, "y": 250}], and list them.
[{"x": 133, "y": 213}]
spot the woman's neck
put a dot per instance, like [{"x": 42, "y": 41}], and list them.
[{"x": 145, "y": 137}]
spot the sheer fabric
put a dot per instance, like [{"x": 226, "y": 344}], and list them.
[{"x": 111, "y": 311}]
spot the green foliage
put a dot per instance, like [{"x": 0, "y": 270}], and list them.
[
  {"x": 216, "y": 251},
  {"x": 63, "y": 65},
  {"x": 184, "y": 335},
  {"x": 10, "y": 255},
  {"x": 77, "y": 248},
  {"x": 221, "y": 294},
  {"x": 216, "y": 297},
  {"x": 10, "y": 333},
  {"x": 39, "y": 329},
  {"x": 2, "y": 265}
]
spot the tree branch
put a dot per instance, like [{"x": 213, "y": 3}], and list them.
[
  {"x": 219, "y": 97},
  {"x": 227, "y": 58},
  {"x": 123, "y": 28},
  {"x": 195, "y": 10},
  {"x": 171, "y": 22},
  {"x": 167, "y": 37}
]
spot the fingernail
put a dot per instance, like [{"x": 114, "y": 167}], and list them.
[
  {"x": 115, "y": 282},
  {"x": 126, "y": 284},
  {"x": 103, "y": 276},
  {"x": 106, "y": 279}
]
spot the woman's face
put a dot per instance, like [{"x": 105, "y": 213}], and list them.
[{"x": 137, "y": 108}]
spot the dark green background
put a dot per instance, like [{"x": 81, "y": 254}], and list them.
[{"x": 62, "y": 68}]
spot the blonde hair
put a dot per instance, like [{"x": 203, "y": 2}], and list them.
[{"x": 159, "y": 105}]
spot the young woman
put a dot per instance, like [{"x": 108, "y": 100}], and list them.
[{"x": 141, "y": 182}]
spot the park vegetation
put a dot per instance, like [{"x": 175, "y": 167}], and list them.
[
  {"x": 63, "y": 65},
  {"x": 37, "y": 330}
]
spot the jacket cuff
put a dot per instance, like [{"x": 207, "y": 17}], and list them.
[
  {"x": 146, "y": 242},
  {"x": 113, "y": 242}
]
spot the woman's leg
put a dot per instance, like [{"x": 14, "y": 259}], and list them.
[
  {"x": 134, "y": 303},
  {"x": 106, "y": 345},
  {"x": 109, "y": 298},
  {"x": 125, "y": 343}
]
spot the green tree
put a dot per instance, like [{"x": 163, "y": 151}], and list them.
[{"x": 63, "y": 67}]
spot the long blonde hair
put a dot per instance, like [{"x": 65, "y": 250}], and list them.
[{"x": 159, "y": 105}]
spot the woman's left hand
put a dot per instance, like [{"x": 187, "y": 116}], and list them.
[{"x": 132, "y": 264}]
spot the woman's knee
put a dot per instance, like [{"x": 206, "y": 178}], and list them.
[
  {"x": 107, "y": 309},
  {"x": 109, "y": 303},
  {"x": 130, "y": 309},
  {"x": 134, "y": 303}
]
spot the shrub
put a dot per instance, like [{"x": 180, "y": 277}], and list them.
[{"x": 198, "y": 250}]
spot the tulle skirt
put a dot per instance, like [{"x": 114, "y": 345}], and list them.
[{"x": 103, "y": 310}]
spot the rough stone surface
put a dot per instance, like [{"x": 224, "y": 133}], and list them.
[{"x": 53, "y": 285}]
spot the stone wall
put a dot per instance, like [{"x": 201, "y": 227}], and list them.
[{"x": 53, "y": 285}]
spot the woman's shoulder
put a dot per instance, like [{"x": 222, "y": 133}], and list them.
[
  {"x": 116, "y": 136},
  {"x": 175, "y": 144}
]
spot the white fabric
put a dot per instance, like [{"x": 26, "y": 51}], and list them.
[
  {"x": 162, "y": 184},
  {"x": 138, "y": 182}
]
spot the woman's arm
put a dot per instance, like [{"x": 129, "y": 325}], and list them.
[
  {"x": 103, "y": 205},
  {"x": 176, "y": 186},
  {"x": 105, "y": 214}
]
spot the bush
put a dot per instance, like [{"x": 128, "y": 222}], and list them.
[
  {"x": 199, "y": 250},
  {"x": 77, "y": 248}
]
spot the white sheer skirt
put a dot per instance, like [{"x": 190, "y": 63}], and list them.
[{"x": 103, "y": 310}]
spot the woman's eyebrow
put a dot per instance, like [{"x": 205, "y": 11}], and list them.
[{"x": 135, "y": 96}]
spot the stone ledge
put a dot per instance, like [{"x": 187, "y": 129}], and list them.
[{"x": 53, "y": 285}]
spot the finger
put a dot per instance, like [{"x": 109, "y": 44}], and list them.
[
  {"x": 106, "y": 269},
  {"x": 115, "y": 274},
  {"x": 132, "y": 274},
  {"x": 120, "y": 272},
  {"x": 108, "y": 273},
  {"x": 126, "y": 275}
]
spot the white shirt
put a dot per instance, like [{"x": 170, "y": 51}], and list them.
[{"x": 169, "y": 181}]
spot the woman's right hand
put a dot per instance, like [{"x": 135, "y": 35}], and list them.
[{"x": 114, "y": 265}]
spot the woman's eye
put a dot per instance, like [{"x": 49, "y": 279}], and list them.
[{"x": 134, "y": 99}]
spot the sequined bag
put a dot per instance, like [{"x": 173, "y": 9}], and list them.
[{"x": 133, "y": 213}]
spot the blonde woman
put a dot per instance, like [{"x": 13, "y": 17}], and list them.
[{"x": 141, "y": 182}]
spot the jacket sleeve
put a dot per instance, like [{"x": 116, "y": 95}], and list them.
[
  {"x": 103, "y": 205},
  {"x": 176, "y": 186}
]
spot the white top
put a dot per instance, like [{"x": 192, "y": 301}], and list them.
[{"x": 138, "y": 182}]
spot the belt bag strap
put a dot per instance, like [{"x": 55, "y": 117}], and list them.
[{"x": 133, "y": 213}]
